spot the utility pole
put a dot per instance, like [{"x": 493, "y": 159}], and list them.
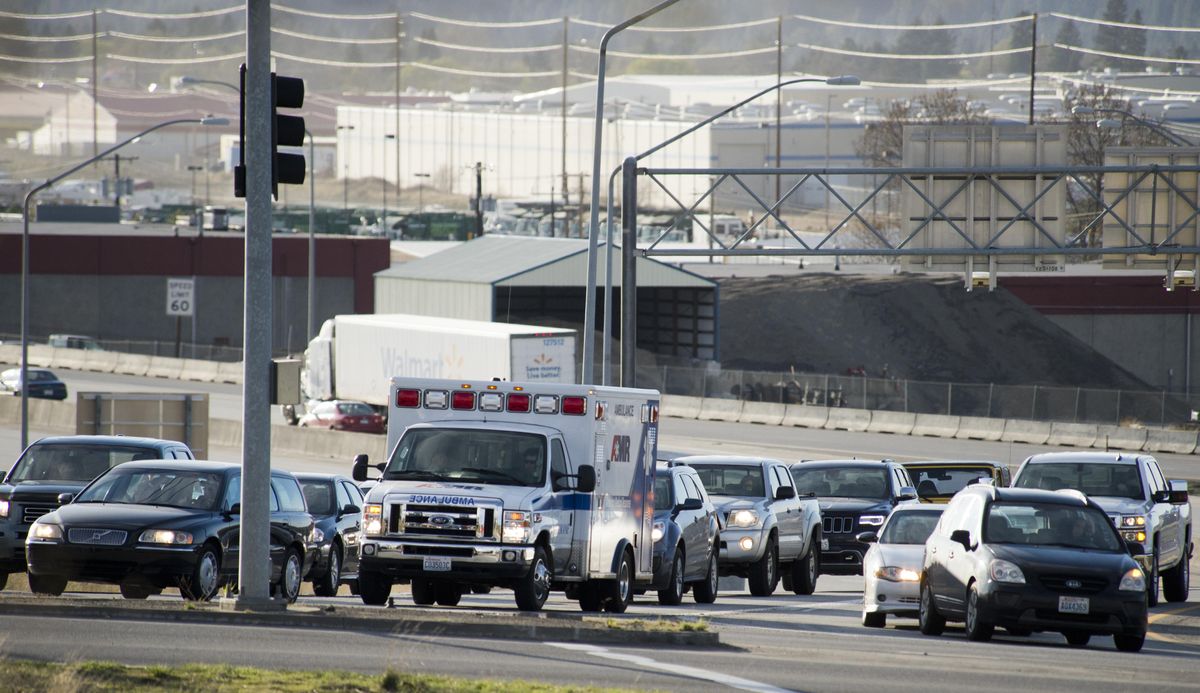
[
  {"x": 399, "y": 37},
  {"x": 1032, "y": 66},
  {"x": 565, "y": 63},
  {"x": 778, "y": 104},
  {"x": 478, "y": 199},
  {"x": 95, "y": 96}
]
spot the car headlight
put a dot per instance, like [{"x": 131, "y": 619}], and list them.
[
  {"x": 516, "y": 527},
  {"x": 893, "y": 573},
  {"x": 1006, "y": 571},
  {"x": 1133, "y": 581},
  {"x": 165, "y": 536},
  {"x": 870, "y": 520},
  {"x": 657, "y": 533},
  {"x": 3, "y": 508},
  {"x": 317, "y": 536},
  {"x": 1138, "y": 535},
  {"x": 1133, "y": 521},
  {"x": 45, "y": 532},
  {"x": 373, "y": 519},
  {"x": 743, "y": 518}
]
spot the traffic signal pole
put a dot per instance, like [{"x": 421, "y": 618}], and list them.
[{"x": 254, "y": 558}]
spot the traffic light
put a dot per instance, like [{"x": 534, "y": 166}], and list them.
[{"x": 286, "y": 131}]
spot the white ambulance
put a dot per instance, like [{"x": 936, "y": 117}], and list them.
[{"x": 528, "y": 486}]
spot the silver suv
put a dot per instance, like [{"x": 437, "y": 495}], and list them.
[{"x": 769, "y": 531}]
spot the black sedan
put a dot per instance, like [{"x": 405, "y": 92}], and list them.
[
  {"x": 686, "y": 535},
  {"x": 336, "y": 505},
  {"x": 150, "y": 525},
  {"x": 43, "y": 383},
  {"x": 1028, "y": 561}
]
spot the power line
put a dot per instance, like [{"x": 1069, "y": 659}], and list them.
[
  {"x": 336, "y": 63},
  {"x": 1127, "y": 56},
  {"x": 44, "y": 61},
  {"x": 485, "y": 25},
  {"x": 489, "y": 49},
  {"x": 913, "y": 56},
  {"x": 326, "y": 15},
  {"x": 175, "y": 39},
  {"x": 678, "y": 56},
  {"x": 677, "y": 29},
  {"x": 62, "y": 15},
  {"x": 48, "y": 39},
  {"x": 329, "y": 39},
  {"x": 174, "y": 15},
  {"x": 173, "y": 61},
  {"x": 477, "y": 73},
  {"x": 1125, "y": 25},
  {"x": 913, "y": 27}
]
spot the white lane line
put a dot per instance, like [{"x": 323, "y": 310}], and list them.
[{"x": 690, "y": 672}]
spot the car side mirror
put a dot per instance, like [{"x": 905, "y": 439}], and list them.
[
  {"x": 1178, "y": 495},
  {"x": 1135, "y": 548},
  {"x": 867, "y": 537},
  {"x": 784, "y": 493},
  {"x": 963, "y": 537},
  {"x": 235, "y": 509},
  {"x": 585, "y": 479},
  {"x": 907, "y": 493},
  {"x": 1161, "y": 497},
  {"x": 691, "y": 504},
  {"x": 351, "y": 509},
  {"x": 64, "y": 498}
]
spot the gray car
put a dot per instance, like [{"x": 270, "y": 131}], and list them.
[{"x": 769, "y": 531}]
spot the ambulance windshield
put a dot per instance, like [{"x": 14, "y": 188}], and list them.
[{"x": 475, "y": 456}]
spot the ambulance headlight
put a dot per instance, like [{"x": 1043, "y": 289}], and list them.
[
  {"x": 373, "y": 520},
  {"x": 516, "y": 527}
]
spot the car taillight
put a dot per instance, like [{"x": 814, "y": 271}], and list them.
[
  {"x": 408, "y": 399},
  {"x": 462, "y": 400},
  {"x": 576, "y": 406},
  {"x": 518, "y": 403}
]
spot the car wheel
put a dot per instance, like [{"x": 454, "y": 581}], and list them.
[
  {"x": 589, "y": 596},
  {"x": 374, "y": 588},
  {"x": 533, "y": 589},
  {"x": 673, "y": 594},
  {"x": 978, "y": 629},
  {"x": 290, "y": 576},
  {"x": 764, "y": 574},
  {"x": 1176, "y": 581},
  {"x": 931, "y": 622},
  {"x": 805, "y": 571},
  {"x": 1129, "y": 643},
  {"x": 447, "y": 593},
  {"x": 1152, "y": 579},
  {"x": 1077, "y": 638},
  {"x": 705, "y": 592},
  {"x": 327, "y": 585},
  {"x": 132, "y": 590},
  {"x": 52, "y": 585},
  {"x": 423, "y": 592},
  {"x": 205, "y": 580},
  {"x": 874, "y": 619},
  {"x": 620, "y": 590}
]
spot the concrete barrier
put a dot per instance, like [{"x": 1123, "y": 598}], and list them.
[
  {"x": 100, "y": 361},
  {"x": 226, "y": 433},
  {"x": 678, "y": 406},
  {"x": 805, "y": 416},
  {"x": 712, "y": 409},
  {"x": 1072, "y": 434},
  {"x": 1025, "y": 431},
  {"x": 845, "y": 419},
  {"x": 51, "y": 415},
  {"x": 70, "y": 359},
  {"x": 200, "y": 371},
  {"x": 316, "y": 442},
  {"x": 768, "y": 413},
  {"x": 42, "y": 355},
  {"x": 10, "y": 410},
  {"x": 979, "y": 428},
  {"x": 936, "y": 425},
  {"x": 10, "y": 353},
  {"x": 165, "y": 367},
  {"x": 132, "y": 364},
  {"x": 1167, "y": 440},
  {"x": 895, "y": 422},
  {"x": 229, "y": 372},
  {"x": 1120, "y": 438}
]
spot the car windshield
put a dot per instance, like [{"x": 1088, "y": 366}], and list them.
[
  {"x": 174, "y": 488},
  {"x": 355, "y": 409},
  {"x": 1090, "y": 478},
  {"x": 73, "y": 462},
  {"x": 842, "y": 482},
  {"x": 478, "y": 456},
  {"x": 909, "y": 527},
  {"x": 1049, "y": 524},
  {"x": 662, "y": 492},
  {"x": 943, "y": 482},
  {"x": 732, "y": 480},
  {"x": 319, "y": 495}
]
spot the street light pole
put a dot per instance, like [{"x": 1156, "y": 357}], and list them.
[
  {"x": 345, "y": 175},
  {"x": 25, "y": 251},
  {"x": 421, "y": 191}
]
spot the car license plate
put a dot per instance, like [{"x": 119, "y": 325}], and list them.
[
  {"x": 1073, "y": 605},
  {"x": 824, "y": 544},
  {"x": 437, "y": 564}
]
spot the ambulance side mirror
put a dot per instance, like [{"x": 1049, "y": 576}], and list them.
[
  {"x": 361, "y": 464},
  {"x": 586, "y": 479}
]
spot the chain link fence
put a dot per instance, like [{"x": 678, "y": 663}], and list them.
[{"x": 1038, "y": 402}]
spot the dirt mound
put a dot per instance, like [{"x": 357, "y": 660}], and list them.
[{"x": 918, "y": 327}]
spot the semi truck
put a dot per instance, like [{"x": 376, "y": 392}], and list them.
[
  {"x": 355, "y": 356},
  {"x": 529, "y": 486}
]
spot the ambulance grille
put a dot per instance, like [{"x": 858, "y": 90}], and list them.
[{"x": 443, "y": 522}]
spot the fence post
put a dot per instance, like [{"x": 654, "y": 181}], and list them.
[
  {"x": 826, "y": 394},
  {"x": 1162, "y": 419},
  {"x": 949, "y": 399},
  {"x": 906, "y": 395},
  {"x": 1118, "y": 407},
  {"x": 991, "y": 388},
  {"x": 1033, "y": 405},
  {"x": 1076, "y": 417}
]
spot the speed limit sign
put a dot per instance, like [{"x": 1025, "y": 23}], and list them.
[{"x": 181, "y": 297}]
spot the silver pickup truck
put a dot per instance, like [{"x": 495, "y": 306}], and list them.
[{"x": 1146, "y": 508}]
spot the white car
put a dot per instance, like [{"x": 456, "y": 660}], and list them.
[{"x": 892, "y": 566}]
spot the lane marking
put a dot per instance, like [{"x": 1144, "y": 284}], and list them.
[{"x": 690, "y": 672}]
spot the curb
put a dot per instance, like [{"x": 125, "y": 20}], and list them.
[{"x": 542, "y": 626}]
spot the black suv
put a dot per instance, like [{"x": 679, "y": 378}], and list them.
[
  {"x": 686, "y": 536},
  {"x": 1032, "y": 560},
  {"x": 855, "y": 496},
  {"x": 63, "y": 464}
]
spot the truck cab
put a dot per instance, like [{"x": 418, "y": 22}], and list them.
[{"x": 531, "y": 487}]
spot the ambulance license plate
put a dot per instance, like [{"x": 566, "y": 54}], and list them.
[
  {"x": 437, "y": 564},
  {"x": 1073, "y": 605}
]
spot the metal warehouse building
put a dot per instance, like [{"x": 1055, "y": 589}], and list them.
[{"x": 543, "y": 281}]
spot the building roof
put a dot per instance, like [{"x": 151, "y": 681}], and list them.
[{"x": 497, "y": 259}]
